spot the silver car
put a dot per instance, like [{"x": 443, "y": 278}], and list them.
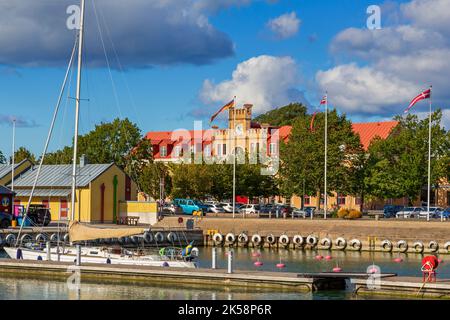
[
  {"x": 409, "y": 212},
  {"x": 435, "y": 212}
]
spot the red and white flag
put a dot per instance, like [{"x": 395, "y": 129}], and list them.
[
  {"x": 311, "y": 126},
  {"x": 424, "y": 95},
  {"x": 324, "y": 100}
]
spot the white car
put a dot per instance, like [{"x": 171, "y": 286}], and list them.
[
  {"x": 409, "y": 212},
  {"x": 215, "y": 208},
  {"x": 435, "y": 212},
  {"x": 228, "y": 207},
  {"x": 249, "y": 208}
]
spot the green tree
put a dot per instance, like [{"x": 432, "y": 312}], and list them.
[
  {"x": 23, "y": 153},
  {"x": 2, "y": 158},
  {"x": 398, "y": 166},
  {"x": 302, "y": 165},
  {"x": 283, "y": 116}
]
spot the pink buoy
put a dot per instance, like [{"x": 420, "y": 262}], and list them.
[
  {"x": 373, "y": 270},
  {"x": 258, "y": 263},
  {"x": 281, "y": 265},
  {"x": 319, "y": 257},
  {"x": 440, "y": 260},
  {"x": 398, "y": 260},
  {"x": 337, "y": 269},
  {"x": 328, "y": 258}
]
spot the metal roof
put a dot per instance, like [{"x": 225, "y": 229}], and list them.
[
  {"x": 43, "y": 192},
  {"x": 60, "y": 175},
  {"x": 5, "y": 169}
]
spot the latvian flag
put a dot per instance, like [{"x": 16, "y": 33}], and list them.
[
  {"x": 225, "y": 107},
  {"x": 324, "y": 100},
  {"x": 424, "y": 95}
]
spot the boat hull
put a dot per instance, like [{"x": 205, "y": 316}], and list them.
[{"x": 69, "y": 255}]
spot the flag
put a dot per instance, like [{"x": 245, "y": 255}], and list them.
[
  {"x": 424, "y": 95},
  {"x": 187, "y": 251},
  {"x": 324, "y": 100},
  {"x": 225, "y": 107},
  {"x": 311, "y": 126}
]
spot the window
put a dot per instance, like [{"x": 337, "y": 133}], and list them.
[
  {"x": 207, "y": 150},
  {"x": 307, "y": 200},
  {"x": 177, "y": 151},
  {"x": 252, "y": 147},
  {"x": 192, "y": 149},
  {"x": 224, "y": 149},
  {"x": 163, "y": 151},
  {"x": 341, "y": 200},
  {"x": 219, "y": 150},
  {"x": 273, "y": 148}
]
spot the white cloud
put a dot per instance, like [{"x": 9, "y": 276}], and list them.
[
  {"x": 144, "y": 33},
  {"x": 395, "y": 63},
  {"x": 285, "y": 26},
  {"x": 264, "y": 81}
]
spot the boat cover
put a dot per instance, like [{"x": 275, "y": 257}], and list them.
[{"x": 80, "y": 232}]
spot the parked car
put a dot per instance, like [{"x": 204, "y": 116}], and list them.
[
  {"x": 409, "y": 212},
  {"x": 5, "y": 220},
  {"x": 215, "y": 208},
  {"x": 391, "y": 210},
  {"x": 435, "y": 212},
  {"x": 446, "y": 213},
  {"x": 188, "y": 206},
  {"x": 39, "y": 214},
  {"x": 304, "y": 213},
  {"x": 227, "y": 207},
  {"x": 172, "y": 208},
  {"x": 250, "y": 208}
]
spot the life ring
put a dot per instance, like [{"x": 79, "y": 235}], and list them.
[
  {"x": 340, "y": 243},
  {"x": 172, "y": 237},
  {"x": 195, "y": 252},
  {"x": 243, "y": 238},
  {"x": 312, "y": 240},
  {"x": 10, "y": 239},
  {"x": 217, "y": 238},
  {"x": 159, "y": 237},
  {"x": 66, "y": 238},
  {"x": 418, "y": 246},
  {"x": 256, "y": 239},
  {"x": 355, "y": 244},
  {"x": 447, "y": 246},
  {"x": 230, "y": 238},
  {"x": 54, "y": 237},
  {"x": 148, "y": 237},
  {"x": 41, "y": 237},
  {"x": 284, "y": 240},
  {"x": 271, "y": 239},
  {"x": 134, "y": 239},
  {"x": 298, "y": 240},
  {"x": 326, "y": 243},
  {"x": 402, "y": 246},
  {"x": 433, "y": 246},
  {"x": 26, "y": 238},
  {"x": 386, "y": 246}
]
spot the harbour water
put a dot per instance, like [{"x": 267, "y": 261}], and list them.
[{"x": 296, "y": 261}]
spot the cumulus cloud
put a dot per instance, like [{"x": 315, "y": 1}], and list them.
[
  {"x": 285, "y": 26},
  {"x": 21, "y": 122},
  {"x": 264, "y": 81},
  {"x": 396, "y": 62},
  {"x": 143, "y": 33}
]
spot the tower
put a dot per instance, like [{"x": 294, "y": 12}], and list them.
[{"x": 240, "y": 118}]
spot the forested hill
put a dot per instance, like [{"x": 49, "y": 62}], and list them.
[{"x": 283, "y": 115}]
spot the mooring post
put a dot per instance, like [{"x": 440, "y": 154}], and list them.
[
  {"x": 78, "y": 262},
  {"x": 230, "y": 261},
  {"x": 214, "y": 258},
  {"x": 49, "y": 257}
]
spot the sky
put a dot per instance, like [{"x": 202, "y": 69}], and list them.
[{"x": 165, "y": 63}]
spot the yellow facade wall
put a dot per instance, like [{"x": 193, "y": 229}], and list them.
[
  {"x": 53, "y": 203},
  {"x": 17, "y": 171}
]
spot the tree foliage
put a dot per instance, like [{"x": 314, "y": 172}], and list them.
[
  {"x": 283, "y": 116},
  {"x": 23, "y": 153}
]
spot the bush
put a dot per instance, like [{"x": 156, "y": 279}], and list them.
[
  {"x": 342, "y": 213},
  {"x": 354, "y": 214}
]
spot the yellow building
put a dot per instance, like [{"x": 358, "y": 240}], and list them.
[
  {"x": 19, "y": 168},
  {"x": 100, "y": 189}
]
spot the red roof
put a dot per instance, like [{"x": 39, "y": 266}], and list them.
[{"x": 369, "y": 130}]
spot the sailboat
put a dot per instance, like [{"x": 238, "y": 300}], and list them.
[{"x": 79, "y": 233}]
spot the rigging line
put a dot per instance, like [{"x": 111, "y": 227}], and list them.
[
  {"x": 133, "y": 104},
  {"x": 50, "y": 131}
]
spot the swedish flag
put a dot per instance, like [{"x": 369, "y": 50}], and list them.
[{"x": 187, "y": 251}]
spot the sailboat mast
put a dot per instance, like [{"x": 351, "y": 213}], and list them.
[{"x": 77, "y": 111}]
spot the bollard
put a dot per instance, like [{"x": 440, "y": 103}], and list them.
[
  {"x": 49, "y": 254},
  {"x": 230, "y": 261},
  {"x": 78, "y": 263},
  {"x": 214, "y": 258}
]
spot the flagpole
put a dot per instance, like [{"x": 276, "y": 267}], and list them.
[
  {"x": 326, "y": 155},
  {"x": 234, "y": 161},
  {"x": 429, "y": 160}
]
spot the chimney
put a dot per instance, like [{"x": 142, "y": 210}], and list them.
[{"x": 83, "y": 160}]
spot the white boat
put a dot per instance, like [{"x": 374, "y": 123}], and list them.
[{"x": 101, "y": 255}]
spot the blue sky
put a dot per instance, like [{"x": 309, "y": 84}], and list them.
[{"x": 183, "y": 71}]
